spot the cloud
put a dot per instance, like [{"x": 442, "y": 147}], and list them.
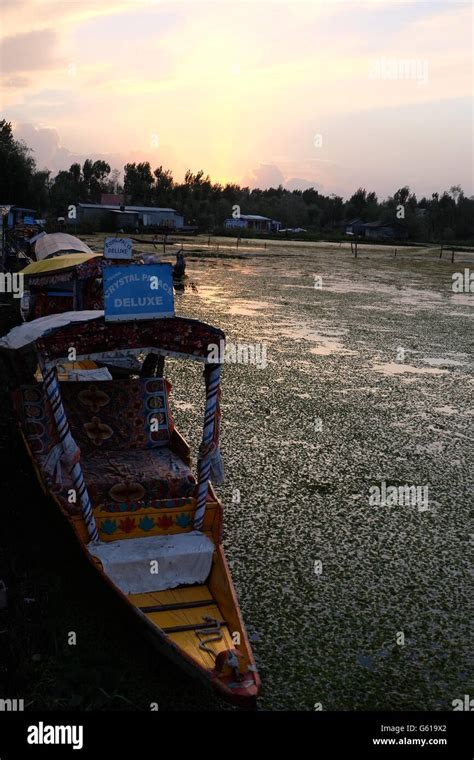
[
  {"x": 21, "y": 14},
  {"x": 271, "y": 175},
  {"x": 49, "y": 153},
  {"x": 224, "y": 97},
  {"x": 32, "y": 51},
  {"x": 266, "y": 175},
  {"x": 298, "y": 183},
  {"x": 43, "y": 141},
  {"x": 16, "y": 81},
  {"x": 47, "y": 150}
]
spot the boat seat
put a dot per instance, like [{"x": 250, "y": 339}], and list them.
[
  {"x": 124, "y": 463},
  {"x": 182, "y": 559},
  {"x": 139, "y": 475},
  {"x": 117, "y": 415},
  {"x": 124, "y": 458}
]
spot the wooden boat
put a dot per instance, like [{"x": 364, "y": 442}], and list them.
[
  {"x": 72, "y": 281},
  {"x": 108, "y": 454}
]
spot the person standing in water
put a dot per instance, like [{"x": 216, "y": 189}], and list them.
[{"x": 180, "y": 266}]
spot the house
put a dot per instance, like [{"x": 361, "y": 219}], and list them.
[
  {"x": 253, "y": 222},
  {"x": 18, "y": 215},
  {"x": 374, "y": 230},
  {"x": 385, "y": 231},
  {"x": 351, "y": 226},
  {"x": 112, "y": 199},
  {"x": 115, "y": 217}
]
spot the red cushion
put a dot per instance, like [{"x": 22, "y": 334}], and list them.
[
  {"x": 36, "y": 418},
  {"x": 136, "y": 476},
  {"x": 115, "y": 415}
]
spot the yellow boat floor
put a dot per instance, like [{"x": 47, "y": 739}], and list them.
[{"x": 179, "y": 612}]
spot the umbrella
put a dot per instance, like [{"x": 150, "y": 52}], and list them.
[{"x": 57, "y": 243}]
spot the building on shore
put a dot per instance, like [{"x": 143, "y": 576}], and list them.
[
  {"x": 116, "y": 217},
  {"x": 18, "y": 215},
  {"x": 385, "y": 231},
  {"x": 394, "y": 230},
  {"x": 112, "y": 199},
  {"x": 352, "y": 226},
  {"x": 253, "y": 222}
]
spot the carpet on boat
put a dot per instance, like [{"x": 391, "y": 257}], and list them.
[{"x": 155, "y": 563}]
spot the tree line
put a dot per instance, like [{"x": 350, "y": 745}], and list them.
[{"x": 445, "y": 216}]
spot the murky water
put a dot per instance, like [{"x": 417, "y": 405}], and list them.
[
  {"x": 384, "y": 625},
  {"x": 347, "y": 604}
]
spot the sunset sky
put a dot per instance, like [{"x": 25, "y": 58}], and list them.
[{"x": 259, "y": 93}]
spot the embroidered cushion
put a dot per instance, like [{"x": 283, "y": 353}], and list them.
[
  {"x": 36, "y": 417},
  {"x": 118, "y": 415},
  {"x": 136, "y": 476}
]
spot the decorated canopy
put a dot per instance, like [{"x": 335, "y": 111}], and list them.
[
  {"x": 91, "y": 336},
  {"x": 66, "y": 266},
  {"x": 27, "y": 333},
  {"x": 174, "y": 336}
]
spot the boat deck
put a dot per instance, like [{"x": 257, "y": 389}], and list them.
[{"x": 183, "y": 611}]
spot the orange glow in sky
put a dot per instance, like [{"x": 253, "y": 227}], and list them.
[{"x": 243, "y": 89}]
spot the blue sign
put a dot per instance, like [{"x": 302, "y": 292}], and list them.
[{"x": 138, "y": 291}]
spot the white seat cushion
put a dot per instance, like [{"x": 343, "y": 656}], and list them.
[{"x": 155, "y": 563}]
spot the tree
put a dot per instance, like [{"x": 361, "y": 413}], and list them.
[
  {"x": 163, "y": 186},
  {"x": 64, "y": 192},
  {"x": 456, "y": 193},
  {"x": 113, "y": 183},
  {"x": 94, "y": 179},
  {"x": 401, "y": 196},
  {"x": 17, "y": 168},
  {"x": 138, "y": 183},
  {"x": 357, "y": 203}
]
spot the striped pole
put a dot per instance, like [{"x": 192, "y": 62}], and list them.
[
  {"x": 208, "y": 444},
  {"x": 71, "y": 451}
]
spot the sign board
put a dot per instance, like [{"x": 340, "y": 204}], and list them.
[
  {"x": 138, "y": 291},
  {"x": 117, "y": 248}
]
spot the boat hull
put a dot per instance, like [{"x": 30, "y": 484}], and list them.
[{"x": 241, "y": 693}]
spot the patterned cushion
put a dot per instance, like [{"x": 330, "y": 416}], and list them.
[
  {"x": 117, "y": 415},
  {"x": 109, "y": 508},
  {"x": 36, "y": 419},
  {"x": 136, "y": 476},
  {"x": 126, "y": 465}
]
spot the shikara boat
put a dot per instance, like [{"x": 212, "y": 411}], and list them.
[
  {"x": 71, "y": 281},
  {"x": 109, "y": 456}
]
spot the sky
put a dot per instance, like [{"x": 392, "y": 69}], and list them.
[{"x": 334, "y": 94}]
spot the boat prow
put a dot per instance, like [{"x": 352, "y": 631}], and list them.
[{"x": 197, "y": 625}]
